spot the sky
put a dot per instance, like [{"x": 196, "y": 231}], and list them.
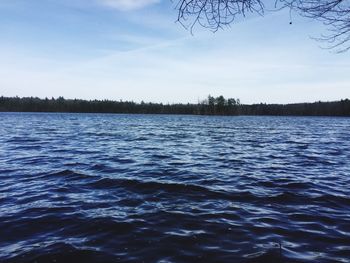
[{"x": 135, "y": 50}]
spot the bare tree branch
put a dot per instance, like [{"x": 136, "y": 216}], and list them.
[{"x": 215, "y": 14}]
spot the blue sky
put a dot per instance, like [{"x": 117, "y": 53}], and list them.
[{"x": 134, "y": 50}]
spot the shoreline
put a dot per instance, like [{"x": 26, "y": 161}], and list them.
[{"x": 210, "y": 107}]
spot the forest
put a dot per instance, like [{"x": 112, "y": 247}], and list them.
[{"x": 210, "y": 106}]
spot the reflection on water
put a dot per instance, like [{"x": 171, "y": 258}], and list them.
[{"x": 147, "y": 188}]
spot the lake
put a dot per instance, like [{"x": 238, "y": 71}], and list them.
[{"x": 173, "y": 188}]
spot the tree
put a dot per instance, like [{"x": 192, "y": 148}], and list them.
[
  {"x": 220, "y": 103},
  {"x": 215, "y": 14},
  {"x": 211, "y": 103}
]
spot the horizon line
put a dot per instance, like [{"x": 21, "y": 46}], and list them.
[{"x": 200, "y": 101}]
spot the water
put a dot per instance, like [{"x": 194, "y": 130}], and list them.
[{"x": 147, "y": 188}]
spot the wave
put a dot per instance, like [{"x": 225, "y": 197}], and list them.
[{"x": 110, "y": 188}]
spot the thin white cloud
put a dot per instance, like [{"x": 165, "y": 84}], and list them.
[
  {"x": 252, "y": 62},
  {"x": 127, "y": 5}
]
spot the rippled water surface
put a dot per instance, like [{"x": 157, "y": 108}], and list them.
[{"x": 147, "y": 188}]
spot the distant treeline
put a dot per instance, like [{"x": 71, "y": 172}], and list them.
[{"x": 210, "y": 106}]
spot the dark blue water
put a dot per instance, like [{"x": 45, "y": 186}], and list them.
[{"x": 146, "y": 188}]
